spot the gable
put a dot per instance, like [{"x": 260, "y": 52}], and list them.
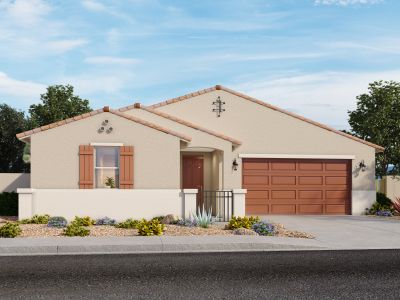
[{"x": 192, "y": 102}]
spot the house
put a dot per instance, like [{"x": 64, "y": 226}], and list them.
[{"x": 208, "y": 147}]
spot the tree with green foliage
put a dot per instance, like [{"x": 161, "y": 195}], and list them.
[
  {"x": 11, "y": 149},
  {"x": 58, "y": 103},
  {"x": 377, "y": 119}
]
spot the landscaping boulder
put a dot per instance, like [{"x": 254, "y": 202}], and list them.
[
  {"x": 168, "y": 219},
  {"x": 244, "y": 231}
]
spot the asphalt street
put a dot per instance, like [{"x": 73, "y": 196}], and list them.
[{"x": 366, "y": 274}]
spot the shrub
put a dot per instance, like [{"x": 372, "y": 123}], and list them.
[
  {"x": 84, "y": 221},
  {"x": 105, "y": 221},
  {"x": 242, "y": 222},
  {"x": 36, "y": 219},
  {"x": 158, "y": 218},
  {"x": 8, "y": 204},
  {"x": 75, "y": 230},
  {"x": 383, "y": 200},
  {"x": 202, "y": 218},
  {"x": 263, "y": 228},
  {"x": 152, "y": 227},
  {"x": 378, "y": 207},
  {"x": 58, "y": 222},
  {"x": 384, "y": 213},
  {"x": 186, "y": 222},
  {"x": 128, "y": 224},
  {"x": 10, "y": 230}
]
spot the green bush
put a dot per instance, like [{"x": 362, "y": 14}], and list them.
[
  {"x": 36, "y": 219},
  {"x": 8, "y": 204},
  {"x": 379, "y": 207},
  {"x": 159, "y": 218},
  {"x": 84, "y": 221},
  {"x": 57, "y": 222},
  {"x": 242, "y": 222},
  {"x": 10, "y": 230},
  {"x": 152, "y": 227},
  {"x": 75, "y": 230},
  {"x": 128, "y": 224},
  {"x": 383, "y": 200}
]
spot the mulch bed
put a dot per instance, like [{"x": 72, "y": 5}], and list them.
[{"x": 39, "y": 230}]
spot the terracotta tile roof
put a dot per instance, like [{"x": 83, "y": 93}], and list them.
[
  {"x": 183, "y": 122},
  {"x": 254, "y": 100},
  {"x": 28, "y": 133}
]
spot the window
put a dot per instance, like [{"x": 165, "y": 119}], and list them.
[{"x": 107, "y": 167}]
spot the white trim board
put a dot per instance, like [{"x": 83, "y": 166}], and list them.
[{"x": 296, "y": 156}]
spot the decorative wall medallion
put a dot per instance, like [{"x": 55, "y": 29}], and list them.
[
  {"x": 105, "y": 127},
  {"x": 218, "y": 106}
]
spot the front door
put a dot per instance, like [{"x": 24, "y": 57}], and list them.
[{"x": 192, "y": 174}]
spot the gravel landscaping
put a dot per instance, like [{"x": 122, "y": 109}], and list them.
[{"x": 42, "y": 230}]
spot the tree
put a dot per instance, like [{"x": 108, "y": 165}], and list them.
[
  {"x": 11, "y": 149},
  {"x": 58, "y": 103},
  {"x": 377, "y": 119}
]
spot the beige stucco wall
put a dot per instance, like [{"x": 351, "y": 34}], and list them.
[
  {"x": 10, "y": 182},
  {"x": 266, "y": 131},
  {"x": 55, "y": 160}
]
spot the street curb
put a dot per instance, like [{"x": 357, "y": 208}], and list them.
[{"x": 140, "y": 245}]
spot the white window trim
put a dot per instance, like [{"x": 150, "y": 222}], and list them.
[
  {"x": 106, "y": 144},
  {"x": 296, "y": 156}
]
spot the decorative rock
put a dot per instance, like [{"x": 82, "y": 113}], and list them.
[
  {"x": 168, "y": 219},
  {"x": 244, "y": 231}
]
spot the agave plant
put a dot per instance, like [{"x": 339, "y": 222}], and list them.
[
  {"x": 202, "y": 218},
  {"x": 396, "y": 204}
]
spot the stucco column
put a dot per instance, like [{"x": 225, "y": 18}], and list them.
[
  {"x": 25, "y": 203},
  {"x": 239, "y": 202},
  {"x": 189, "y": 202}
]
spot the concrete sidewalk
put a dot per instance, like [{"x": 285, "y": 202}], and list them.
[{"x": 154, "y": 244}]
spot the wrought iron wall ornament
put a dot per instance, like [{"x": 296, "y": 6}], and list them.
[
  {"x": 105, "y": 127},
  {"x": 218, "y": 106}
]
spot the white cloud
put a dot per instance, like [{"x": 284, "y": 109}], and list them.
[
  {"x": 61, "y": 46},
  {"x": 25, "y": 90},
  {"x": 110, "y": 60},
  {"x": 325, "y": 97},
  {"x": 94, "y": 5},
  {"x": 346, "y": 2},
  {"x": 26, "y": 12}
]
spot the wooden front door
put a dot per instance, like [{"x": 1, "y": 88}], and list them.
[{"x": 192, "y": 174}]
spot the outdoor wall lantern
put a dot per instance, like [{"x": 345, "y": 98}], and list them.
[
  {"x": 362, "y": 166},
  {"x": 235, "y": 165}
]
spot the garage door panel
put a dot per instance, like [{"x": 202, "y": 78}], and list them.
[
  {"x": 252, "y": 180},
  {"x": 282, "y": 194},
  {"x": 311, "y": 180},
  {"x": 257, "y": 209},
  {"x": 335, "y": 209},
  {"x": 310, "y": 166},
  {"x": 310, "y": 194},
  {"x": 300, "y": 186},
  {"x": 336, "y": 166},
  {"x": 258, "y": 194},
  {"x": 283, "y": 209},
  {"x": 254, "y": 165},
  {"x": 311, "y": 209},
  {"x": 335, "y": 180},
  {"x": 283, "y": 180},
  {"x": 283, "y": 166}
]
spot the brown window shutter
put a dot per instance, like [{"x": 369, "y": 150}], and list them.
[
  {"x": 86, "y": 168},
  {"x": 126, "y": 167}
]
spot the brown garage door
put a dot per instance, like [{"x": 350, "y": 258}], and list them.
[{"x": 297, "y": 186}]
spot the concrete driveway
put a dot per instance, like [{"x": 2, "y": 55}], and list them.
[{"x": 346, "y": 232}]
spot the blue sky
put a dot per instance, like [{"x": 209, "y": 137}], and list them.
[{"x": 311, "y": 57}]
